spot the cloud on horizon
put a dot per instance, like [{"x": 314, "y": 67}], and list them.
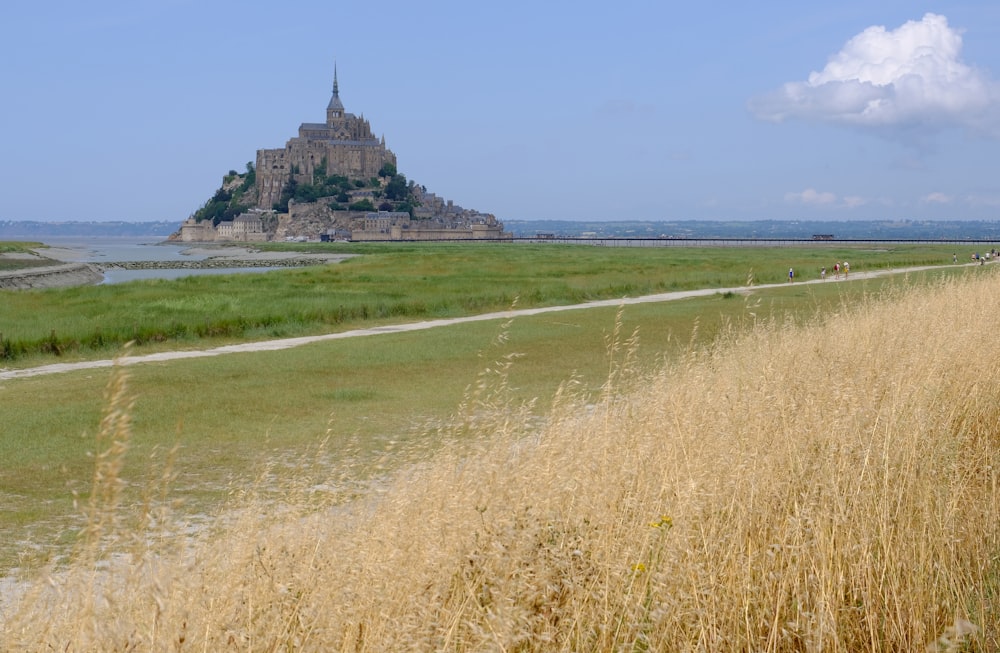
[
  {"x": 811, "y": 196},
  {"x": 826, "y": 199},
  {"x": 935, "y": 198},
  {"x": 912, "y": 76}
]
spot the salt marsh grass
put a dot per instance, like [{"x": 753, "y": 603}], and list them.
[
  {"x": 387, "y": 283},
  {"x": 828, "y": 486}
]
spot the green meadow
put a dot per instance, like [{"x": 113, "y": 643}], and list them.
[
  {"x": 214, "y": 425},
  {"x": 389, "y": 283}
]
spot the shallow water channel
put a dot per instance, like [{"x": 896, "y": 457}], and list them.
[{"x": 114, "y": 250}]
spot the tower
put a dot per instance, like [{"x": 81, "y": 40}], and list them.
[{"x": 335, "y": 109}]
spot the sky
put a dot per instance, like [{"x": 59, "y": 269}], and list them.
[{"x": 786, "y": 110}]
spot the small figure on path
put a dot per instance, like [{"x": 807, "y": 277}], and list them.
[
  {"x": 836, "y": 270},
  {"x": 822, "y": 274},
  {"x": 791, "y": 274},
  {"x": 954, "y": 258},
  {"x": 847, "y": 269}
]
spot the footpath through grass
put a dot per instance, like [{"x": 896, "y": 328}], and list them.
[
  {"x": 391, "y": 283},
  {"x": 230, "y": 416},
  {"x": 808, "y": 483}
]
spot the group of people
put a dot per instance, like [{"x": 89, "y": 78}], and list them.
[
  {"x": 845, "y": 267},
  {"x": 838, "y": 268}
]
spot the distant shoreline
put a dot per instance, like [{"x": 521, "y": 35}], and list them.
[{"x": 971, "y": 230}]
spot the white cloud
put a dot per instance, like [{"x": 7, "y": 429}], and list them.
[
  {"x": 811, "y": 196},
  {"x": 935, "y": 198},
  {"x": 910, "y": 76}
]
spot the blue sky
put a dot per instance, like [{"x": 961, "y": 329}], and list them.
[{"x": 135, "y": 109}]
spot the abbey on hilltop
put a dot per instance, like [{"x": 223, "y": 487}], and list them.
[
  {"x": 344, "y": 144},
  {"x": 335, "y": 180}
]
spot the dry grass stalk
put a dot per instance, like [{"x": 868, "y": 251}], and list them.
[{"x": 831, "y": 487}]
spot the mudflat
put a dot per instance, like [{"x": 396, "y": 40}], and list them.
[{"x": 249, "y": 254}]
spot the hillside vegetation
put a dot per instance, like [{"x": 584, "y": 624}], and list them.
[
  {"x": 238, "y": 193},
  {"x": 832, "y": 486}
]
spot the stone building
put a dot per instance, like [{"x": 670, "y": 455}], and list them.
[
  {"x": 344, "y": 143},
  {"x": 246, "y": 227}
]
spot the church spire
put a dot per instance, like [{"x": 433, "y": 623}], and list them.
[{"x": 334, "y": 110}]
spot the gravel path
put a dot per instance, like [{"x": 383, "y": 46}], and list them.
[{"x": 287, "y": 343}]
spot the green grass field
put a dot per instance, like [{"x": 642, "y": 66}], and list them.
[
  {"x": 233, "y": 414},
  {"x": 391, "y": 283},
  {"x": 812, "y": 467}
]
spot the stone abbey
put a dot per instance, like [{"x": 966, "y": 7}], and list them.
[
  {"x": 343, "y": 146},
  {"x": 344, "y": 143}
]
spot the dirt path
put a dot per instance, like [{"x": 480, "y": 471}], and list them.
[{"x": 287, "y": 343}]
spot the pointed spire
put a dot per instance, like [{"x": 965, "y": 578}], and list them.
[{"x": 335, "y": 109}]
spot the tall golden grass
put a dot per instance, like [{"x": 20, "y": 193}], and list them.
[{"x": 828, "y": 487}]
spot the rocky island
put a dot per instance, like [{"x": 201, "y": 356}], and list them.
[{"x": 334, "y": 181}]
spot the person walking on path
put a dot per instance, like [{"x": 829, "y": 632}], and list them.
[
  {"x": 791, "y": 274},
  {"x": 822, "y": 274},
  {"x": 847, "y": 269},
  {"x": 836, "y": 270}
]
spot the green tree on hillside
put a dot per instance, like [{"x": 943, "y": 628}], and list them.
[
  {"x": 287, "y": 193},
  {"x": 362, "y": 205},
  {"x": 397, "y": 189},
  {"x": 223, "y": 205},
  {"x": 406, "y": 206},
  {"x": 250, "y": 178},
  {"x": 229, "y": 201}
]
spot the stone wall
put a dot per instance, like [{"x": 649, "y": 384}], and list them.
[
  {"x": 313, "y": 219},
  {"x": 419, "y": 231}
]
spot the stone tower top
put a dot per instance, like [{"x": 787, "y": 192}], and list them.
[{"x": 334, "y": 110}]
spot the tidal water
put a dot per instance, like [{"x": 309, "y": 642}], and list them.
[
  {"x": 106, "y": 250},
  {"x": 109, "y": 250}
]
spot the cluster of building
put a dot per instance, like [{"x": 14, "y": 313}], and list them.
[
  {"x": 343, "y": 145},
  {"x": 247, "y": 227}
]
